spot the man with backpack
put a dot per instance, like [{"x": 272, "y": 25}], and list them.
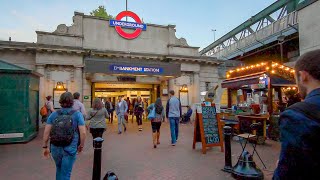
[
  {"x": 300, "y": 124},
  {"x": 66, "y": 130}
]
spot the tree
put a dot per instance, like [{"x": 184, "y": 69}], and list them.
[{"x": 101, "y": 12}]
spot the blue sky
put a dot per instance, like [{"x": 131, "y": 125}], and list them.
[{"x": 194, "y": 19}]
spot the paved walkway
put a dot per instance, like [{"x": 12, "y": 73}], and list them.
[{"x": 131, "y": 156}]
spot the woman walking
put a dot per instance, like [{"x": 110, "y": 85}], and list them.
[
  {"x": 97, "y": 116},
  {"x": 156, "y": 122},
  {"x": 138, "y": 111}
]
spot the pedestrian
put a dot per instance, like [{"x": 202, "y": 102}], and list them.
[
  {"x": 77, "y": 105},
  {"x": 66, "y": 130},
  {"x": 138, "y": 111},
  {"x": 49, "y": 107},
  {"x": 97, "y": 117},
  {"x": 121, "y": 111},
  {"x": 173, "y": 113},
  {"x": 186, "y": 117},
  {"x": 110, "y": 109},
  {"x": 300, "y": 124},
  {"x": 156, "y": 122},
  {"x": 128, "y": 104}
]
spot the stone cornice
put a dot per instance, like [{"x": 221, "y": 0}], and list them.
[
  {"x": 44, "y": 48},
  {"x": 181, "y": 46},
  {"x": 58, "y": 34}
]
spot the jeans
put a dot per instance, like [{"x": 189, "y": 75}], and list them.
[
  {"x": 174, "y": 128},
  {"x": 64, "y": 162},
  {"x": 139, "y": 118},
  {"x": 121, "y": 121},
  {"x": 110, "y": 116}
]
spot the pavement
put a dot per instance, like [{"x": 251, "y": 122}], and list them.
[{"x": 132, "y": 157}]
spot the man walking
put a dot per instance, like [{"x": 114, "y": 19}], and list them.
[
  {"x": 173, "y": 113},
  {"x": 77, "y": 105},
  {"x": 121, "y": 111},
  {"x": 300, "y": 124},
  {"x": 109, "y": 107}
]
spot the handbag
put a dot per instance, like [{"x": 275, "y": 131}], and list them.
[{"x": 152, "y": 114}]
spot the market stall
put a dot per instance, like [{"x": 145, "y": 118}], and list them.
[{"x": 258, "y": 90}]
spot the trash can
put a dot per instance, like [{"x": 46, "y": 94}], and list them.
[{"x": 19, "y": 103}]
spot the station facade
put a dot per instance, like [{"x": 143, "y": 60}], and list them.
[{"x": 92, "y": 58}]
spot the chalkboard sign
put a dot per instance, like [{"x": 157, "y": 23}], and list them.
[
  {"x": 210, "y": 124},
  {"x": 207, "y": 125}
]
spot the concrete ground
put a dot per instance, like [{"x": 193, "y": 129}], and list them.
[{"x": 131, "y": 156}]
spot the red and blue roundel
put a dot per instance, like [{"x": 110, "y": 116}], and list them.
[{"x": 138, "y": 25}]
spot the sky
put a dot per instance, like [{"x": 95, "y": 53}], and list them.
[{"x": 194, "y": 19}]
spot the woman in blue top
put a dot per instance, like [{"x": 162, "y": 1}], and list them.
[
  {"x": 156, "y": 122},
  {"x": 65, "y": 156}
]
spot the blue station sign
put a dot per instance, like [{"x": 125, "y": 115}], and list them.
[
  {"x": 135, "y": 69},
  {"x": 128, "y": 25}
]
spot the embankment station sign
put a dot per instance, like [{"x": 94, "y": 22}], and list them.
[
  {"x": 136, "y": 69},
  {"x": 138, "y": 25}
]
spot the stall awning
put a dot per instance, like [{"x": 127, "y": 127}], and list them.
[{"x": 237, "y": 83}]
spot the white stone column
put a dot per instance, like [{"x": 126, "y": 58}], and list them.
[
  {"x": 78, "y": 81},
  {"x": 171, "y": 85},
  {"x": 42, "y": 95},
  {"x": 196, "y": 87},
  {"x": 40, "y": 70},
  {"x": 86, "y": 90}
]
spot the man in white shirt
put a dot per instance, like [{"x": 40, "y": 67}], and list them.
[
  {"x": 77, "y": 105},
  {"x": 121, "y": 111}
]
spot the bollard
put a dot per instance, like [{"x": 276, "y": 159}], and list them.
[
  {"x": 97, "y": 144},
  {"x": 227, "y": 154}
]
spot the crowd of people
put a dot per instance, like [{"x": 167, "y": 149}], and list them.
[{"x": 65, "y": 128}]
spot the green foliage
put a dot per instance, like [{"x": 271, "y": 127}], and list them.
[{"x": 101, "y": 12}]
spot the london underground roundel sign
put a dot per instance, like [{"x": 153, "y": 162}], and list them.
[{"x": 137, "y": 25}]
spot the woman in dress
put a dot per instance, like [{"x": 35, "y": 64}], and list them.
[
  {"x": 156, "y": 122},
  {"x": 97, "y": 117}
]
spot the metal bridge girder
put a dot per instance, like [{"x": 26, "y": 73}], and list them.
[{"x": 264, "y": 14}]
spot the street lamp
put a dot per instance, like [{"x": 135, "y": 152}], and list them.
[
  {"x": 214, "y": 34},
  {"x": 280, "y": 41}
]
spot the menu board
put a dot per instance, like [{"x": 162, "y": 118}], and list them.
[
  {"x": 207, "y": 127},
  {"x": 210, "y": 124}
]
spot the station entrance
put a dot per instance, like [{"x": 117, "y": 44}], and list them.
[{"x": 148, "y": 93}]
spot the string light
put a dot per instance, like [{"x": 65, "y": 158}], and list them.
[
  {"x": 252, "y": 66},
  {"x": 287, "y": 69},
  {"x": 230, "y": 71},
  {"x": 273, "y": 71},
  {"x": 238, "y": 70},
  {"x": 228, "y": 75},
  {"x": 281, "y": 67},
  {"x": 267, "y": 68},
  {"x": 242, "y": 68},
  {"x": 292, "y": 71}
]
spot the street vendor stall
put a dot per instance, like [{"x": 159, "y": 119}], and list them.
[
  {"x": 261, "y": 83},
  {"x": 257, "y": 90}
]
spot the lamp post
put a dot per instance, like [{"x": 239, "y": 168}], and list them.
[
  {"x": 280, "y": 41},
  {"x": 126, "y": 9},
  {"x": 214, "y": 34}
]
